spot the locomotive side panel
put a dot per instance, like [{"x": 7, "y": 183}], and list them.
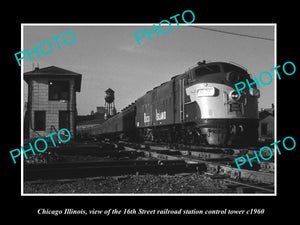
[
  {"x": 156, "y": 107},
  {"x": 185, "y": 110},
  {"x": 163, "y": 102},
  {"x": 178, "y": 88},
  {"x": 144, "y": 115}
]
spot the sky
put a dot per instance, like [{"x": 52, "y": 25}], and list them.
[{"x": 108, "y": 56}]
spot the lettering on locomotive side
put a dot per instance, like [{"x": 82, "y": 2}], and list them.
[
  {"x": 146, "y": 118},
  {"x": 160, "y": 115}
]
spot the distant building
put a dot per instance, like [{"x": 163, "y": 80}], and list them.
[
  {"x": 51, "y": 101},
  {"x": 266, "y": 124}
]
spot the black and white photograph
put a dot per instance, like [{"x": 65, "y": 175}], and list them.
[
  {"x": 145, "y": 111},
  {"x": 137, "y": 109}
]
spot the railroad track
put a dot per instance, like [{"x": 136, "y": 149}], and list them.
[
  {"x": 242, "y": 187},
  {"x": 217, "y": 161},
  {"x": 70, "y": 170},
  {"x": 213, "y": 162}
]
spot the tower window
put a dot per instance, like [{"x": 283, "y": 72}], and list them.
[
  {"x": 59, "y": 90},
  {"x": 39, "y": 120}
]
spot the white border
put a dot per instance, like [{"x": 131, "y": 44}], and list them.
[
  {"x": 149, "y": 24},
  {"x": 275, "y": 109},
  {"x": 22, "y": 110}
]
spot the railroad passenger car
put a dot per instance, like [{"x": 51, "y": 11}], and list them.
[{"x": 123, "y": 123}]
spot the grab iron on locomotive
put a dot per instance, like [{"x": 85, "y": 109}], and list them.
[{"x": 200, "y": 106}]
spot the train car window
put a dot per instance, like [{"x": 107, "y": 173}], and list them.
[{"x": 207, "y": 69}]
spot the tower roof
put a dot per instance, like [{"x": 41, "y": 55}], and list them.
[
  {"x": 109, "y": 90},
  {"x": 52, "y": 72}
]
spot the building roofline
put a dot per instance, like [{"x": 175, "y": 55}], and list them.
[{"x": 53, "y": 71}]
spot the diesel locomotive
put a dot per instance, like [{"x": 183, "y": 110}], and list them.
[{"x": 199, "y": 107}]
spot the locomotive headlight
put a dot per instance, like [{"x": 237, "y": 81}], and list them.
[
  {"x": 206, "y": 92},
  {"x": 234, "y": 95},
  {"x": 254, "y": 92}
]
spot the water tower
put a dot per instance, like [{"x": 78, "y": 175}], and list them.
[{"x": 110, "y": 109}]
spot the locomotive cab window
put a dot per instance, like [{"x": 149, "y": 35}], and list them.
[
  {"x": 59, "y": 90},
  {"x": 234, "y": 73},
  {"x": 229, "y": 68},
  {"x": 204, "y": 70}
]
